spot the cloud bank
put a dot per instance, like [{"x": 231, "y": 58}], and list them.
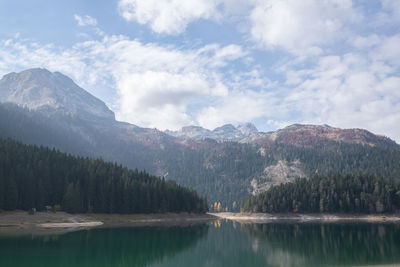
[{"x": 337, "y": 63}]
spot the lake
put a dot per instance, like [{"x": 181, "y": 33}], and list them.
[{"x": 219, "y": 243}]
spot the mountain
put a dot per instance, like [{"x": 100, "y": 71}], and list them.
[
  {"x": 307, "y": 135},
  {"x": 299, "y": 135},
  {"x": 191, "y": 132},
  {"x": 49, "y": 109},
  {"x": 249, "y": 163},
  {"x": 39, "y": 89},
  {"x": 247, "y": 129},
  {"x": 227, "y": 132}
]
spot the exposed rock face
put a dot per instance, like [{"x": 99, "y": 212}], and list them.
[
  {"x": 297, "y": 135},
  {"x": 194, "y": 132},
  {"x": 247, "y": 129},
  {"x": 282, "y": 172},
  {"x": 227, "y": 132},
  {"x": 74, "y": 121},
  {"x": 40, "y": 89}
]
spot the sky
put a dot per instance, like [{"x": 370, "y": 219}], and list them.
[{"x": 170, "y": 63}]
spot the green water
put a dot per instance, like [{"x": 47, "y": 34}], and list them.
[{"x": 213, "y": 244}]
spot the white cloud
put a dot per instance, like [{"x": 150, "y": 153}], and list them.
[
  {"x": 88, "y": 21},
  {"x": 367, "y": 42},
  {"x": 300, "y": 26},
  {"x": 167, "y": 86},
  {"x": 168, "y": 16},
  {"x": 239, "y": 107},
  {"x": 392, "y": 7},
  {"x": 155, "y": 85},
  {"x": 159, "y": 99},
  {"x": 349, "y": 91},
  {"x": 389, "y": 15},
  {"x": 380, "y": 47},
  {"x": 389, "y": 50},
  {"x": 85, "y": 20}
]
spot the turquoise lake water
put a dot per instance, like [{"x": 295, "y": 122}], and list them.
[{"x": 219, "y": 243}]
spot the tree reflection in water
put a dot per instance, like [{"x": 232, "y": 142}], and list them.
[
  {"x": 334, "y": 244},
  {"x": 101, "y": 247}
]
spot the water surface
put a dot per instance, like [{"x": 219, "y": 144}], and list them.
[{"x": 218, "y": 243}]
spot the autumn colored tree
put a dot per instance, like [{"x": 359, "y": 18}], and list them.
[
  {"x": 215, "y": 206},
  {"x": 219, "y": 207}
]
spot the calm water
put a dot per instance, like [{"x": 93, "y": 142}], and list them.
[{"x": 213, "y": 244}]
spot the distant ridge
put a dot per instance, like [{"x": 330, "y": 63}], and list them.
[
  {"x": 295, "y": 134},
  {"x": 227, "y": 132},
  {"x": 307, "y": 135}
]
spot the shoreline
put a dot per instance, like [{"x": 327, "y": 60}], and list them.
[
  {"x": 308, "y": 218},
  {"x": 152, "y": 219},
  {"x": 42, "y": 223}
]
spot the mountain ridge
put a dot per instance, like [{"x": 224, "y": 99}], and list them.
[
  {"x": 226, "y": 132},
  {"x": 221, "y": 169},
  {"x": 42, "y": 90},
  {"x": 290, "y": 134}
]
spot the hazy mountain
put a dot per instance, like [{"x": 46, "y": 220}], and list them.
[
  {"x": 192, "y": 132},
  {"x": 39, "y": 89},
  {"x": 247, "y": 129},
  {"x": 227, "y": 132},
  {"x": 53, "y": 111},
  {"x": 297, "y": 134},
  {"x": 50, "y": 109}
]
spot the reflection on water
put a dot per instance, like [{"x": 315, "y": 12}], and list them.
[
  {"x": 328, "y": 244},
  {"x": 219, "y": 243},
  {"x": 101, "y": 247}
]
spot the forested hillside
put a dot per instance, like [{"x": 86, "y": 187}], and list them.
[
  {"x": 44, "y": 108},
  {"x": 221, "y": 171},
  {"x": 33, "y": 177},
  {"x": 352, "y": 193},
  {"x": 224, "y": 171}
]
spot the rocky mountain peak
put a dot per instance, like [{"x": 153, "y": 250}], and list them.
[
  {"x": 227, "y": 132},
  {"x": 40, "y": 89},
  {"x": 301, "y": 135},
  {"x": 195, "y": 132},
  {"x": 247, "y": 128}
]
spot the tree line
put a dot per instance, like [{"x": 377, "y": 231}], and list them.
[
  {"x": 344, "y": 193},
  {"x": 221, "y": 171},
  {"x": 35, "y": 177}
]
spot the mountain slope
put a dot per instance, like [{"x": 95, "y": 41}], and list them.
[
  {"x": 307, "y": 135},
  {"x": 39, "y": 89},
  {"x": 351, "y": 193},
  {"x": 224, "y": 171}
]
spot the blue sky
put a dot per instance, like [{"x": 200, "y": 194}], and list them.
[{"x": 171, "y": 63}]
